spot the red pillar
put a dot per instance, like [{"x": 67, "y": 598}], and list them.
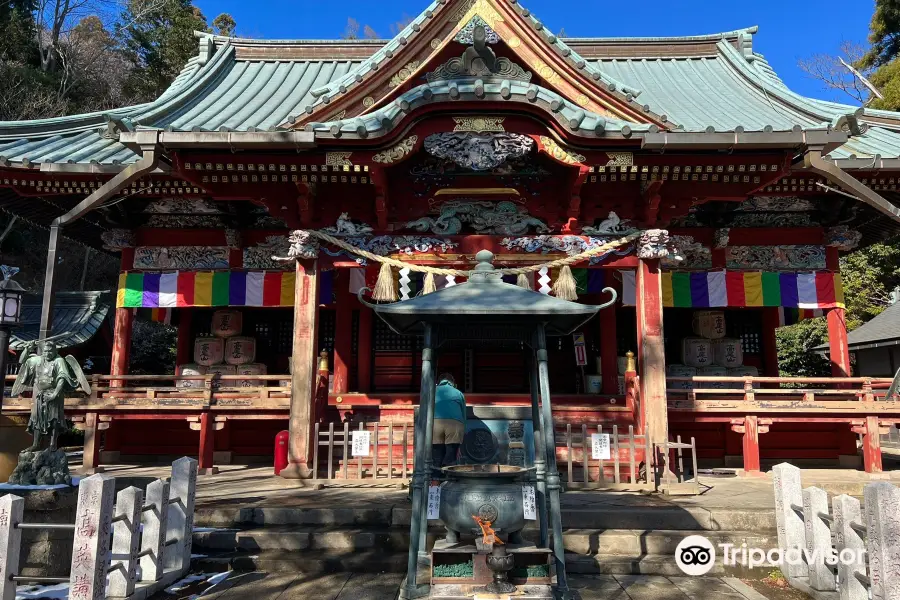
[
  {"x": 837, "y": 326},
  {"x": 871, "y": 444},
  {"x": 364, "y": 351},
  {"x": 343, "y": 334},
  {"x": 124, "y": 322},
  {"x": 770, "y": 344},
  {"x": 183, "y": 347},
  {"x": 609, "y": 350},
  {"x": 303, "y": 372},
  {"x": 750, "y": 431},
  {"x": 207, "y": 443},
  {"x": 651, "y": 350}
]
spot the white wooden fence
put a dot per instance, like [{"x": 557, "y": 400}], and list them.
[
  {"x": 853, "y": 550},
  {"x": 126, "y": 545}
]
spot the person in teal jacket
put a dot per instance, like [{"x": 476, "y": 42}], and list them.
[{"x": 449, "y": 422}]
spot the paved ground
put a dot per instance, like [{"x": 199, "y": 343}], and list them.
[
  {"x": 238, "y": 485},
  {"x": 348, "y": 586}
]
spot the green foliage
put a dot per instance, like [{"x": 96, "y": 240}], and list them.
[
  {"x": 153, "y": 348},
  {"x": 796, "y": 357},
  {"x": 224, "y": 24},
  {"x": 463, "y": 570},
  {"x": 887, "y": 79},
  {"x": 868, "y": 275},
  {"x": 158, "y": 40},
  {"x": 884, "y": 34}
]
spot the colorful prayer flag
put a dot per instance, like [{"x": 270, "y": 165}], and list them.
[
  {"x": 209, "y": 288},
  {"x": 682, "y": 289}
]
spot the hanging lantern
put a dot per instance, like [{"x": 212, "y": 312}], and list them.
[{"x": 10, "y": 303}]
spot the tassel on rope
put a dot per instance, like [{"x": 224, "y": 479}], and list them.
[
  {"x": 385, "y": 288},
  {"x": 565, "y": 287},
  {"x": 429, "y": 285},
  {"x": 523, "y": 282}
]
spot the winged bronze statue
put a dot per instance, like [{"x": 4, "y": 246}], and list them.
[{"x": 50, "y": 376}]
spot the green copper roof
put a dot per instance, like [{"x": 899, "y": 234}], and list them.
[
  {"x": 731, "y": 87},
  {"x": 77, "y": 317}
]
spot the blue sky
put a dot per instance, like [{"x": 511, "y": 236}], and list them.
[{"x": 789, "y": 29}]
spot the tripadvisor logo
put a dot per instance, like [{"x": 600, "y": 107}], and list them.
[{"x": 695, "y": 555}]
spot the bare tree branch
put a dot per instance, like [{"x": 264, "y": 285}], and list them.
[{"x": 833, "y": 75}]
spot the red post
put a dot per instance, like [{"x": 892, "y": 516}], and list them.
[
  {"x": 837, "y": 326},
  {"x": 124, "y": 322},
  {"x": 207, "y": 443},
  {"x": 751, "y": 444},
  {"x": 184, "y": 344},
  {"x": 770, "y": 344},
  {"x": 303, "y": 373},
  {"x": 90, "y": 461},
  {"x": 609, "y": 351},
  {"x": 364, "y": 351},
  {"x": 651, "y": 350},
  {"x": 871, "y": 443},
  {"x": 343, "y": 334}
]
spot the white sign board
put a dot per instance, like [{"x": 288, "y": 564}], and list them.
[
  {"x": 529, "y": 502},
  {"x": 600, "y": 446},
  {"x": 580, "y": 350},
  {"x": 361, "y": 443},
  {"x": 434, "y": 502}
]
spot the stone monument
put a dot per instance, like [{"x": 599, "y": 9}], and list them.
[{"x": 50, "y": 376}]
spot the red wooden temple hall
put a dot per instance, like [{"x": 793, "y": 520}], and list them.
[{"x": 474, "y": 128}]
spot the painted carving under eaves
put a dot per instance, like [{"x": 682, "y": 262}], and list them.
[
  {"x": 689, "y": 255},
  {"x": 466, "y": 34},
  {"x": 611, "y": 225},
  {"x": 842, "y": 237},
  {"x": 385, "y": 245},
  {"x": 500, "y": 218},
  {"x": 478, "y": 152},
  {"x": 721, "y": 237},
  {"x": 569, "y": 244},
  {"x": 657, "y": 244},
  {"x": 773, "y": 219},
  {"x": 775, "y": 257},
  {"x": 175, "y": 221},
  {"x": 776, "y": 204},
  {"x": 345, "y": 227},
  {"x": 117, "y": 239},
  {"x": 181, "y": 257},
  {"x": 261, "y": 255},
  {"x": 303, "y": 245},
  {"x": 182, "y": 206}
]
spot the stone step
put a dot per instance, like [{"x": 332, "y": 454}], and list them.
[
  {"x": 622, "y": 543},
  {"x": 604, "y": 516}
]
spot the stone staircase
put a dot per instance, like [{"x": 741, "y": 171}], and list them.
[{"x": 600, "y": 540}]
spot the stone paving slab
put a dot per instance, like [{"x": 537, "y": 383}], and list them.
[{"x": 386, "y": 586}]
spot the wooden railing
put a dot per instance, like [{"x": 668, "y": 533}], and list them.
[
  {"x": 173, "y": 392},
  {"x": 792, "y": 389}
]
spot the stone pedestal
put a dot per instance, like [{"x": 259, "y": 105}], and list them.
[
  {"x": 13, "y": 439},
  {"x": 46, "y": 553},
  {"x": 42, "y": 467}
]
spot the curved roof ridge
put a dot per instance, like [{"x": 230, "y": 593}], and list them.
[{"x": 704, "y": 37}]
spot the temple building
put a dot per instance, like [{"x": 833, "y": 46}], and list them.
[{"x": 475, "y": 128}]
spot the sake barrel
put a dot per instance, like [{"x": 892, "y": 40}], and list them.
[
  {"x": 188, "y": 370},
  {"x": 209, "y": 350},
  {"x": 240, "y": 350},
  {"x": 251, "y": 369},
  {"x": 680, "y": 371},
  {"x": 743, "y": 372},
  {"x": 727, "y": 353},
  {"x": 696, "y": 352},
  {"x": 223, "y": 370},
  {"x": 227, "y": 323},
  {"x": 712, "y": 371},
  {"x": 709, "y": 324}
]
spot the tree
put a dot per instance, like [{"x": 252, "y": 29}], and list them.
[
  {"x": 158, "y": 41},
  {"x": 224, "y": 24},
  {"x": 834, "y": 74},
  {"x": 796, "y": 354},
  {"x": 351, "y": 31},
  {"x": 884, "y": 34}
]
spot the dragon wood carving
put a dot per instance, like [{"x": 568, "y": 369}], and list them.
[
  {"x": 501, "y": 218},
  {"x": 479, "y": 152}
]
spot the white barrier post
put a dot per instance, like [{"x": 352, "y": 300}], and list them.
[
  {"x": 12, "y": 511},
  {"x": 818, "y": 538},
  {"x": 846, "y": 510},
  {"x": 153, "y": 538},
  {"x": 126, "y": 539},
  {"x": 791, "y": 531},
  {"x": 180, "y": 523},
  {"x": 883, "y": 539},
  {"x": 90, "y": 551}
]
